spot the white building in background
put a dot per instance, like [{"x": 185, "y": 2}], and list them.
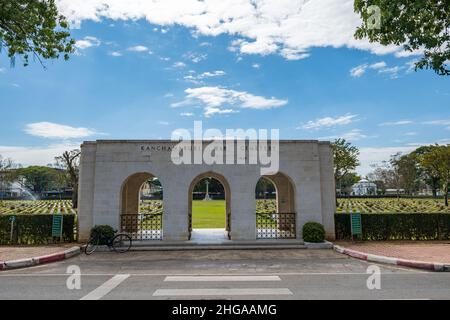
[{"x": 364, "y": 188}]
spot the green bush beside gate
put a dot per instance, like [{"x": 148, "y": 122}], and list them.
[
  {"x": 396, "y": 226},
  {"x": 34, "y": 229}
]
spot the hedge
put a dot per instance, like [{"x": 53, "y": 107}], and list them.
[
  {"x": 35, "y": 229},
  {"x": 396, "y": 226}
]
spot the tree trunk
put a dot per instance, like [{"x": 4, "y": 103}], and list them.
[
  {"x": 75, "y": 197},
  {"x": 446, "y": 196}
]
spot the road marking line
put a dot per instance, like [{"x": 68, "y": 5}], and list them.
[
  {"x": 222, "y": 292},
  {"x": 9, "y": 274},
  {"x": 218, "y": 278},
  {"x": 106, "y": 287}
]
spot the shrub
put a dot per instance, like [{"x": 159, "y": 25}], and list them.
[
  {"x": 103, "y": 232},
  {"x": 313, "y": 232},
  {"x": 397, "y": 226},
  {"x": 34, "y": 229}
]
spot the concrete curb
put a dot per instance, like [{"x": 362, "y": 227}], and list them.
[
  {"x": 430, "y": 266},
  {"x": 29, "y": 262},
  {"x": 320, "y": 245}
]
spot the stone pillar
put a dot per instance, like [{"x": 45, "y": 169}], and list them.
[
  {"x": 328, "y": 189},
  {"x": 243, "y": 215},
  {"x": 86, "y": 186},
  {"x": 175, "y": 217},
  {"x": 309, "y": 192}
]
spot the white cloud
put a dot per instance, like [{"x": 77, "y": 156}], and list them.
[
  {"x": 442, "y": 122},
  {"x": 396, "y": 123},
  {"x": 256, "y": 65},
  {"x": 41, "y": 155},
  {"x": 352, "y": 135},
  {"x": 358, "y": 71},
  {"x": 2, "y": 70},
  {"x": 197, "y": 79},
  {"x": 213, "y": 98},
  {"x": 187, "y": 114},
  {"x": 328, "y": 122},
  {"x": 381, "y": 66},
  {"x": 378, "y": 65},
  {"x": 138, "y": 48},
  {"x": 285, "y": 27},
  {"x": 87, "y": 42},
  {"x": 115, "y": 54},
  {"x": 210, "y": 111},
  {"x": 57, "y": 131},
  {"x": 195, "y": 57},
  {"x": 293, "y": 54},
  {"x": 393, "y": 71},
  {"x": 370, "y": 156},
  {"x": 217, "y": 73},
  {"x": 179, "y": 65}
]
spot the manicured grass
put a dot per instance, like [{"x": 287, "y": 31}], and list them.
[{"x": 208, "y": 214}]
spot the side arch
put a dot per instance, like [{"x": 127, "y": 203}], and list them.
[
  {"x": 146, "y": 226},
  {"x": 282, "y": 222}
]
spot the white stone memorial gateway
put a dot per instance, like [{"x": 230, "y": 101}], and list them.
[{"x": 112, "y": 172}]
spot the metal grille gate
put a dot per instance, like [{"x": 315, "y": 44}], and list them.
[
  {"x": 142, "y": 226},
  {"x": 275, "y": 226}
]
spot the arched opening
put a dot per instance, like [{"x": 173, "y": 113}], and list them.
[
  {"x": 209, "y": 207},
  {"x": 275, "y": 207},
  {"x": 142, "y": 207}
]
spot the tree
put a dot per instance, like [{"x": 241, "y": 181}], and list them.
[
  {"x": 69, "y": 161},
  {"x": 263, "y": 186},
  {"x": 379, "y": 176},
  {"x": 347, "y": 181},
  {"x": 345, "y": 157},
  {"x": 408, "y": 172},
  {"x": 428, "y": 176},
  {"x": 437, "y": 161},
  {"x": 34, "y": 27},
  {"x": 37, "y": 178},
  {"x": 5, "y": 173},
  {"x": 413, "y": 24}
]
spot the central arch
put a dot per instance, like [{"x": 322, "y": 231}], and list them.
[{"x": 227, "y": 191}]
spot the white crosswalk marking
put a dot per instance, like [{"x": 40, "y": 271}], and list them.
[
  {"x": 220, "y": 278},
  {"x": 222, "y": 292},
  {"x": 105, "y": 288}
]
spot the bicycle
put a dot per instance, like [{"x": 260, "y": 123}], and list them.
[{"x": 121, "y": 242}]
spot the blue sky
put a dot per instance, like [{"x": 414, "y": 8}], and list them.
[{"x": 137, "y": 79}]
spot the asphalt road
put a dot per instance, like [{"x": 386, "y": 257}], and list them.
[{"x": 246, "y": 274}]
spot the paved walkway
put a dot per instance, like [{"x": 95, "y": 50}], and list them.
[
  {"x": 209, "y": 236},
  {"x": 427, "y": 251},
  {"x": 21, "y": 252}
]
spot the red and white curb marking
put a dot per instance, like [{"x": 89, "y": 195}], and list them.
[
  {"x": 29, "y": 262},
  {"x": 431, "y": 266}
]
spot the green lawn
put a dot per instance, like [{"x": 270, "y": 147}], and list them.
[{"x": 208, "y": 214}]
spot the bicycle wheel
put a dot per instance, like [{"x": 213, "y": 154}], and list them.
[
  {"x": 121, "y": 243},
  {"x": 91, "y": 246}
]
